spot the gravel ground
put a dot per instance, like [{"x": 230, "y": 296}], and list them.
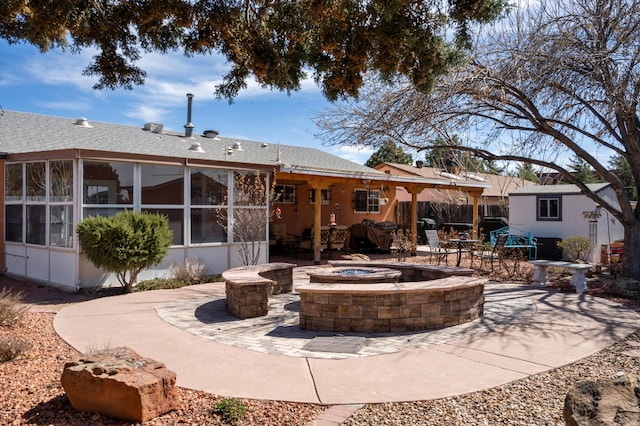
[
  {"x": 536, "y": 400},
  {"x": 32, "y": 395}
]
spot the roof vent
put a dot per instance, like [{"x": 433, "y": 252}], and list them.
[
  {"x": 196, "y": 147},
  {"x": 153, "y": 127},
  {"x": 82, "y": 122},
  {"x": 419, "y": 164},
  {"x": 264, "y": 145},
  {"x": 211, "y": 134},
  {"x": 237, "y": 146}
]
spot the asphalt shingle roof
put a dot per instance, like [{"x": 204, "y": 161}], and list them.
[{"x": 26, "y": 133}]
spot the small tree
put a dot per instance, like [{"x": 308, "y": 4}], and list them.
[
  {"x": 575, "y": 247},
  {"x": 248, "y": 225},
  {"x": 126, "y": 243}
]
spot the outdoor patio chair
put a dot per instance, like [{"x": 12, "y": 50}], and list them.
[
  {"x": 495, "y": 253},
  {"x": 279, "y": 239},
  {"x": 436, "y": 248},
  {"x": 306, "y": 245},
  {"x": 338, "y": 238}
]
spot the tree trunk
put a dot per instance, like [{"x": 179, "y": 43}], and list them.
[{"x": 631, "y": 254}]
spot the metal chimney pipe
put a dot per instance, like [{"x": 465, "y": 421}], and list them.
[{"x": 188, "y": 128}]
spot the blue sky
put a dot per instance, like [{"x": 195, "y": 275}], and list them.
[{"x": 52, "y": 83}]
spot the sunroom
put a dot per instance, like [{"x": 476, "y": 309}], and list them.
[{"x": 43, "y": 202}]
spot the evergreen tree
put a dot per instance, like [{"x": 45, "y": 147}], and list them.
[
  {"x": 525, "y": 171},
  {"x": 446, "y": 154},
  {"x": 389, "y": 152},
  {"x": 582, "y": 170},
  {"x": 275, "y": 42},
  {"x": 622, "y": 168}
]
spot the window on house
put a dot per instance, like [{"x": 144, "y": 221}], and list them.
[
  {"x": 176, "y": 222},
  {"x": 205, "y": 227},
  {"x": 367, "y": 201},
  {"x": 325, "y": 196},
  {"x": 36, "y": 224},
  {"x": 61, "y": 181},
  {"x": 549, "y": 208},
  {"x": 249, "y": 224},
  {"x": 162, "y": 184},
  {"x": 61, "y": 226},
  {"x": 250, "y": 189},
  {"x": 107, "y": 183},
  {"x": 13, "y": 182},
  {"x": 208, "y": 187},
  {"x": 44, "y": 216},
  {"x": 61, "y": 203},
  {"x": 285, "y": 194},
  {"x": 36, "y": 181},
  {"x": 162, "y": 192},
  {"x": 13, "y": 191},
  {"x": 13, "y": 223}
]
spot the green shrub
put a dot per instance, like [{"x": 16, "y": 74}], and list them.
[
  {"x": 160, "y": 284},
  {"x": 230, "y": 410},
  {"x": 13, "y": 348},
  {"x": 169, "y": 283},
  {"x": 126, "y": 243},
  {"x": 11, "y": 307},
  {"x": 575, "y": 248}
]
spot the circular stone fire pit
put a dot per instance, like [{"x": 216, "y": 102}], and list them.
[
  {"x": 353, "y": 297},
  {"x": 355, "y": 275}
]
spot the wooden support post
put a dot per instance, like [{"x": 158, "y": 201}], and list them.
[
  {"x": 476, "y": 200},
  {"x": 317, "y": 223},
  {"x": 414, "y": 221}
]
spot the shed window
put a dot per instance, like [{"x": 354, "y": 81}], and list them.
[{"x": 549, "y": 208}]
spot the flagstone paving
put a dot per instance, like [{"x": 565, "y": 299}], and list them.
[{"x": 278, "y": 332}]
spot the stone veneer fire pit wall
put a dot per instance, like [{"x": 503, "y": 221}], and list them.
[{"x": 392, "y": 307}]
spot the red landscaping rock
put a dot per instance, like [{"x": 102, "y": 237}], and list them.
[{"x": 121, "y": 384}]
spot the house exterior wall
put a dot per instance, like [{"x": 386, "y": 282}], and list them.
[{"x": 523, "y": 212}]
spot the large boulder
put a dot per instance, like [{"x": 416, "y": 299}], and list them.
[
  {"x": 625, "y": 287},
  {"x": 121, "y": 384},
  {"x": 609, "y": 402}
]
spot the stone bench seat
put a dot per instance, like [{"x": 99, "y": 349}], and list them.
[
  {"x": 578, "y": 277},
  {"x": 391, "y": 307},
  {"x": 248, "y": 287}
]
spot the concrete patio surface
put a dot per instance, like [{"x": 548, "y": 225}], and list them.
[{"x": 525, "y": 330}]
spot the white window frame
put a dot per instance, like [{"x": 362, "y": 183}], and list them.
[
  {"x": 547, "y": 216},
  {"x": 373, "y": 201}
]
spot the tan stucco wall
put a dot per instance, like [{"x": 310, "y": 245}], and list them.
[{"x": 299, "y": 216}]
